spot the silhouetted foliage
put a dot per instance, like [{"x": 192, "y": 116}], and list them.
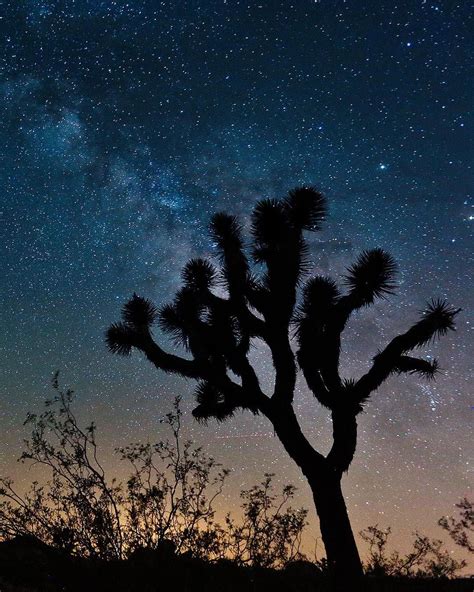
[
  {"x": 78, "y": 510},
  {"x": 157, "y": 531},
  {"x": 460, "y": 528},
  {"x": 270, "y": 533},
  {"x": 427, "y": 559},
  {"x": 263, "y": 302},
  {"x": 27, "y": 565},
  {"x": 167, "y": 502}
]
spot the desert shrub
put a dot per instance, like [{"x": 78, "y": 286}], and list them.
[
  {"x": 168, "y": 499},
  {"x": 460, "y": 528},
  {"x": 428, "y": 557},
  {"x": 270, "y": 532}
]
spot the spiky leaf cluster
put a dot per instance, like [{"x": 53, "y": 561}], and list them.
[
  {"x": 120, "y": 339},
  {"x": 181, "y": 319},
  {"x": 438, "y": 320},
  {"x": 226, "y": 232},
  {"x": 199, "y": 275},
  {"x": 426, "y": 368},
  {"x": 320, "y": 295},
  {"x": 371, "y": 276},
  {"x": 306, "y": 208},
  {"x": 211, "y": 403},
  {"x": 278, "y": 244},
  {"x": 270, "y": 229},
  {"x": 139, "y": 312},
  {"x": 138, "y": 315}
]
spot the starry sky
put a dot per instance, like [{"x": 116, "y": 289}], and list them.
[{"x": 125, "y": 125}]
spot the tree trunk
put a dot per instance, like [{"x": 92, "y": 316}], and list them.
[
  {"x": 325, "y": 482},
  {"x": 341, "y": 549}
]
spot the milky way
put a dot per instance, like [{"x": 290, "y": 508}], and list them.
[{"x": 125, "y": 125}]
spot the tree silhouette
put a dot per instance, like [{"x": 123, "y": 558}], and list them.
[
  {"x": 460, "y": 529},
  {"x": 218, "y": 331}
]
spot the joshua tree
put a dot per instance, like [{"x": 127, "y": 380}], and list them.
[{"x": 217, "y": 332}]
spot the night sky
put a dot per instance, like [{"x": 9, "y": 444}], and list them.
[{"x": 125, "y": 125}]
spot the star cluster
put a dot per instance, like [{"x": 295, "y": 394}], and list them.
[{"x": 125, "y": 125}]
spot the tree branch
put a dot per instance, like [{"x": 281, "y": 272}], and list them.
[
  {"x": 319, "y": 344},
  {"x": 438, "y": 319},
  {"x": 344, "y": 431},
  {"x": 289, "y": 432},
  {"x": 285, "y": 366},
  {"x": 170, "y": 362},
  {"x": 427, "y": 368}
]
